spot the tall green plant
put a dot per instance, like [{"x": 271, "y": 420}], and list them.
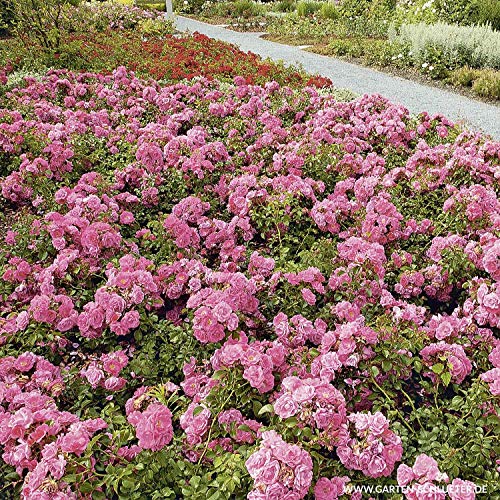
[
  {"x": 6, "y": 16},
  {"x": 41, "y": 21}
]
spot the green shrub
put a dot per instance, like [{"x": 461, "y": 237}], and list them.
[
  {"x": 154, "y": 6},
  {"x": 415, "y": 11},
  {"x": 329, "y": 11},
  {"x": 487, "y": 84},
  {"x": 284, "y": 6},
  {"x": 488, "y": 11},
  {"x": 247, "y": 8},
  {"x": 6, "y": 16},
  {"x": 458, "y": 11},
  {"x": 353, "y": 8},
  {"x": 306, "y": 8},
  {"x": 463, "y": 76},
  {"x": 462, "y": 12},
  {"x": 382, "y": 9},
  {"x": 384, "y": 53},
  {"x": 42, "y": 21},
  {"x": 373, "y": 52}
]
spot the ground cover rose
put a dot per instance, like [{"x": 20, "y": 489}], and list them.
[{"x": 226, "y": 273}]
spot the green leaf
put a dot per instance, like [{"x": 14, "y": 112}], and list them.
[
  {"x": 85, "y": 488},
  {"x": 446, "y": 378},
  {"x": 256, "y": 406},
  {"x": 438, "y": 368},
  {"x": 386, "y": 366},
  {"x": 217, "y": 375},
  {"x": 197, "y": 410},
  {"x": 128, "y": 484},
  {"x": 266, "y": 409}
]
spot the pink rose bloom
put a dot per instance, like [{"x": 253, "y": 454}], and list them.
[
  {"x": 376, "y": 467},
  {"x": 93, "y": 374},
  {"x": 25, "y": 362},
  {"x": 115, "y": 383},
  {"x": 75, "y": 441},
  {"x": 126, "y": 218},
  {"x": 22, "y": 320},
  {"x": 426, "y": 466},
  {"x": 154, "y": 427},
  {"x": 405, "y": 475},
  {"x": 96, "y": 317},
  {"x": 491, "y": 301},
  {"x": 461, "y": 490},
  {"x": 292, "y": 455},
  {"x": 328, "y": 419},
  {"x": 285, "y": 406},
  {"x": 303, "y": 478},
  {"x": 222, "y": 311},
  {"x": 130, "y": 320},
  {"x": 494, "y": 357},
  {"x": 330, "y": 489},
  {"x": 303, "y": 393},
  {"x": 308, "y": 296},
  {"x": 257, "y": 461},
  {"x": 255, "y": 375},
  {"x": 379, "y": 423},
  {"x": 291, "y": 383},
  {"x": 269, "y": 474},
  {"x": 114, "y": 362},
  {"x": 444, "y": 330}
]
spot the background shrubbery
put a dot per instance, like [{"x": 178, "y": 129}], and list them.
[
  {"x": 405, "y": 35},
  {"x": 453, "y": 46}
]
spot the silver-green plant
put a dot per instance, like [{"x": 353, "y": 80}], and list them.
[{"x": 475, "y": 46}]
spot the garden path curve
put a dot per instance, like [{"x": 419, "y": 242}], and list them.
[{"x": 415, "y": 96}]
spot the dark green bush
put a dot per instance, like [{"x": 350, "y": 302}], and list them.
[
  {"x": 351, "y": 8},
  {"x": 489, "y": 12},
  {"x": 246, "y": 8},
  {"x": 329, "y": 11},
  {"x": 285, "y": 6},
  {"x": 6, "y": 17},
  {"x": 306, "y": 8},
  {"x": 469, "y": 12}
]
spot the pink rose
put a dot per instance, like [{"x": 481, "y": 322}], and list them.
[
  {"x": 93, "y": 374},
  {"x": 257, "y": 461},
  {"x": 376, "y": 467},
  {"x": 269, "y": 474},
  {"x": 462, "y": 490},
  {"x": 303, "y": 478},
  {"x": 285, "y": 406},
  {"x": 131, "y": 320},
  {"x": 25, "y": 362},
  {"x": 255, "y": 375},
  {"x": 425, "y": 466},
  {"x": 303, "y": 393},
  {"x": 379, "y": 424},
  {"x": 75, "y": 441},
  {"x": 115, "y": 383}
]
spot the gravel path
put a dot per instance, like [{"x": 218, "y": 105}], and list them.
[{"x": 415, "y": 96}]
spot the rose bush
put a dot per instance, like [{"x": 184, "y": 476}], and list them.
[{"x": 242, "y": 290}]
